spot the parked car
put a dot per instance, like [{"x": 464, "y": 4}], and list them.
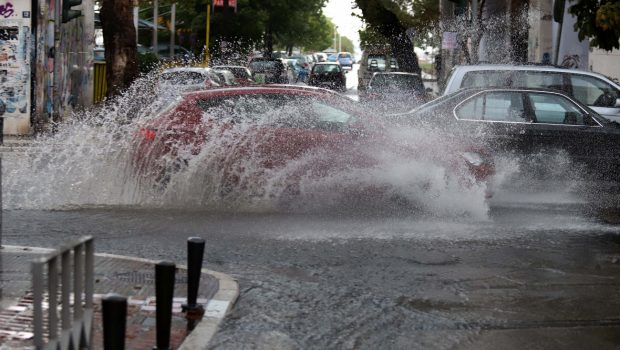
[
  {"x": 290, "y": 132},
  {"x": 528, "y": 121},
  {"x": 226, "y": 77},
  {"x": 321, "y": 56},
  {"x": 374, "y": 60},
  {"x": 328, "y": 75},
  {"x": 179, "y": 79},
  {"x": 345, "y": 59},
  {"x": 592, "y": 89},
  {"x": 396, "y": 91},
  {"x": 268, "y": 70},
  {"x": 332, "y": 58},
  {"x": 242, "y": 74}
]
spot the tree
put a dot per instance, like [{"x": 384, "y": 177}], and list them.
[
  {"x": 347, "y": 44},
  {"x": 392, "y": 19},
  {"x": 120, "y": 45},
  {"x": 599, "y": 20}
]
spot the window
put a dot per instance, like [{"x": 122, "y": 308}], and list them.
[
  {"x": 535, "y": 79},
  {"x": 277, "y": 110},
  {"x": 556, "y": 109},
  {"x": 494, "y": 106},
  {"x": 376, "y": 62},
  {"x": 486, "y": 78},
  {"x": 183, "y": 77},
  {"x": 593, "y": 92}
]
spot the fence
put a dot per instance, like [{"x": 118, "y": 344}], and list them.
[{"x": 74, "y": 334}]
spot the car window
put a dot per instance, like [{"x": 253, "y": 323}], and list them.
[
  {"x": 535, "y": 79},
  {"x": 556, "y": 109},
  {"x": 494, "y": 106},
  {"x": 322, "y": 68},
  {"x": 397, "y": 82},
  {"x": 183, "y": 77},
  {"x": 593, "y": 91},
  {"x": 379, "y": 62},
  {"x": 486, "y": 78},
  {"x": 278, "y": 110}
]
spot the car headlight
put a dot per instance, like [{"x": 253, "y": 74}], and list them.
[{"x": 473, "y": 158}]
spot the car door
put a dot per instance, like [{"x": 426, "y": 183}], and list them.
[
  {"x": 498, "y": 118},
  {"x": 560, "y": 125}
]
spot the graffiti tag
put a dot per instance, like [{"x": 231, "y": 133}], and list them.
[{"x": 6, "y": 10}]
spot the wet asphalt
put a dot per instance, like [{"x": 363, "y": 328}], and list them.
[{"x": 530, "y": 275}]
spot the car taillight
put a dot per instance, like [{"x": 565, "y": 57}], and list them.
[{"x": 148, "y": 134}]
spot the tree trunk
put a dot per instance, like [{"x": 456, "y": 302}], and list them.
[
  {"x": 379, "y": 18},
  {"x": 119, "y": 36},
  {"x": 269, "y": 42},
  {"x": 402, "y": 49}
]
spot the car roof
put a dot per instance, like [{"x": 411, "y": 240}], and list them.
[
  {"x": 327, "y": 63},
  {"x": 263, "y": 88},
  {"x": 227, "y": 66},
  {"x": 187, "y": 69},
  {"x": 521, "y": 67},
  {"x": 396, "y": 73}
]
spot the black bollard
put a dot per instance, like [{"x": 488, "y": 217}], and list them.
[
  {"x": 195, "y": 252},
  {"x": 164, "y": 291},
  {"x": 114, "y": 310}
]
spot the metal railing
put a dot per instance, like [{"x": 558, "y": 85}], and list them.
[{"x": 76, "y": 333}]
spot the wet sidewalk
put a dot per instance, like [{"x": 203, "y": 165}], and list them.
[{"x": 131, "y": 277}]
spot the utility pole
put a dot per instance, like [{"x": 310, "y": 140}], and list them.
[
  {"x": 155, "y": 20},
  {"x": 173, "y": 18},
  {"x": 206, "y": 63}
]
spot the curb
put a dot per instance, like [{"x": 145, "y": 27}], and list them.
[{"x": 215, "y": 310}]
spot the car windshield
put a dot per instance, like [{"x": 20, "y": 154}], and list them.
[
  {"x": 397, "y": 82},
  {"x": 279, "y": 110},
  {"x": 344, "y": 55},
  {"x": 183, "y": 77},
  {"x": 326, "y": 68},
  {"x": 238, "y": 72},
  {"x": 261, "y": 66}
]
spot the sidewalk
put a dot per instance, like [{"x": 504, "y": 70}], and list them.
[{"x": 130, "y": 277}]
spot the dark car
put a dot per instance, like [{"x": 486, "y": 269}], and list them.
[
  {"x": 396, "y": 90},
  {"x": 248, "y": 137},
  {"x": 268, "y": 70},
  {"x": 328, "y": 75},
  {"x": 529, "y": 122}
]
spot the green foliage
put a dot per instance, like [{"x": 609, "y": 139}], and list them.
[
  {"x": 257, "y": 23},
  {"x": 347, "y": 44},
  {"x": 599, "y": 20},
  {"x": 147, "y": 61}
]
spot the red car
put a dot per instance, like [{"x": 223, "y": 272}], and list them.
[{"x": 286, "y": 140}]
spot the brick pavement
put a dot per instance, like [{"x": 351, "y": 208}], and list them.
[{"x": 133, "y": 278}]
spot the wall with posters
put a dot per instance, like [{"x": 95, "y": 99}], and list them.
[{"x": 15, "y": 48}]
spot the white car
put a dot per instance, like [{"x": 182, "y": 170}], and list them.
[
  {"x": 592, "y": 89},
  {"x": 187, "y": 79}
]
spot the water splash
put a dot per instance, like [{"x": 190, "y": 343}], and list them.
[{"x": 90, "y": 162}]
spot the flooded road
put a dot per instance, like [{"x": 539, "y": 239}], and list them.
[{"x": 532, "y": 275}]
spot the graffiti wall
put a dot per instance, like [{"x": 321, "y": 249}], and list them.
[{"x": 15, "y": 47}]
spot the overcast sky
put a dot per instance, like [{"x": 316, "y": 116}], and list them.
[{"x": 340, "y": 13}]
